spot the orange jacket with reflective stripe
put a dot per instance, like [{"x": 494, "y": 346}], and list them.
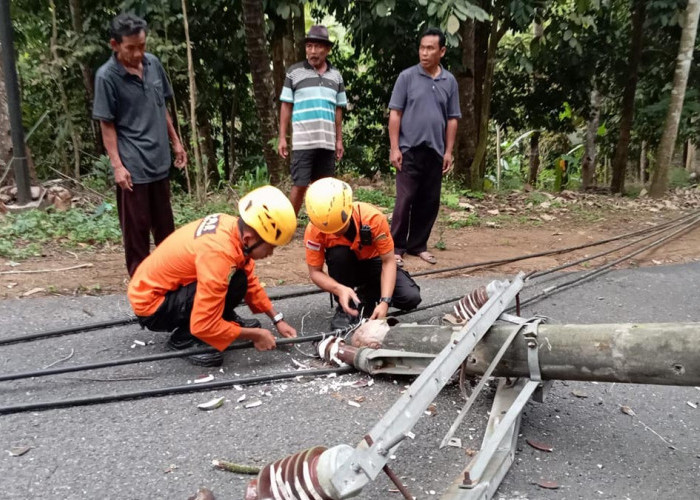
[
  {"x": 207, "y": 251},
  {"x": 316, "y": 242}
]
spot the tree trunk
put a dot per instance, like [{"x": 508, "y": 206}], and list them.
[
  {"x": 534, "y": 159},
  {"x": 277, "y": 45},
  {"x": 225, "y": 140},
  {"x": 232, "y": 139},
  {"x": 690, "y": 157},
  {"x": 75, "y": 139},
  {"x": 642, "y": 161},
  {"x": 5, "y": 138},
  {"x": 208, "y": 150},
  {"x": 659, "y": 181},
  {"x": 200, "y": 178},
  {"x": 76, "y": 15},
  {"x": 299, "y": 31},
  {"x": 262, "y": 84},
  {"x": 619, "y": 165},
  {"x": 478, "y": 166},
  {"x": 588, "y": 164},
  {"x": 289, "y": 55},
  {"x": 466, "y": 135}
]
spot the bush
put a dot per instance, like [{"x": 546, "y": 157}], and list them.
[{"x": 678, "y": 177}]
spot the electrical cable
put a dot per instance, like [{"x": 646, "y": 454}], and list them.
[
  {"x": 552, "y": 252},
  {"x": 153, "y": 357},
  {"x": 164, "y": 391},
  {"x": 538, "y": 274},
  {"x": 585, "y": 277},
  {"x": 314, "y": 290},
  {"x": 100, "y": 399}
]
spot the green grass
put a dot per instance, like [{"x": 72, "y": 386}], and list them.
[
  {"x": 24, "y": 234},
  {"x": 374, "y": 196},
  {"x": 472, "y": 220}
]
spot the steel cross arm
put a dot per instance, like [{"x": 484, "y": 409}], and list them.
[
  {"x": 484, "y": 474},
  {"x": 366, "y": 461}
]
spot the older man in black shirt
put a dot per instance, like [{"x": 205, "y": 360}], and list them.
[{"x": 130, "y": 92}]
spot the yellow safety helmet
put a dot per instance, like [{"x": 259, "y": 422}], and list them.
[
  {"x": 329, "y": 204},
  {"x": 270, "y": 213}
]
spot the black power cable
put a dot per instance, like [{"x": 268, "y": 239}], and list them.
[
  {"x": 153, "y": 357},
  {"x": 164, "y": 391},
  {"x": 313, "y": 290}
]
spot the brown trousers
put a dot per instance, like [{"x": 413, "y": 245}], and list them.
[{"x": 143, "y": 211}]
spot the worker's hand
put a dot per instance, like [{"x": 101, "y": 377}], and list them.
[
  {"x": 447, "y": 162},
  {"x": 380, "y": 311},
  {"x": 123, "y": 178},
  {"x": 396, "y": 158},
  {"x": 339, "y": 149},
  {"x": 345, "y": 296},
  {"x": 282, "y": 147},
  {"x": 180, "y": 155},
  {"x": 263, "y": 340},
  {"x": 285, "y": 329}
]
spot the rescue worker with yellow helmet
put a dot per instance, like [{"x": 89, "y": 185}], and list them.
[
  {"x": 191, "y": 283},
  {"x": 355, "y": 242}
]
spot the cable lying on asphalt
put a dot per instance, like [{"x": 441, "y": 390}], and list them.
[
  {"x": 680, "y": 227},
  {"x": 164, "y": 391},
  {"x": 313, "y": 290},
  {"x": 153, "y": 357},
  {"x": 606, "y": 267}
]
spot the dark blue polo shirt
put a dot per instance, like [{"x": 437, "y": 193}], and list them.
[
  {"x": 137, "y": 109},
  {"x": 427, "y": 103}
]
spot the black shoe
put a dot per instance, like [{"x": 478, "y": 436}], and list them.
[
  {"x": 207, "y": 359},
  {"x": 181, "y": 338},
  {"x": 244, "y": 322},
  {"x": 342, "y": 320}
]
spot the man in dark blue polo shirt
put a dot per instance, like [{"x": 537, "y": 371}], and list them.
[
  {"x": 130, "y": 92},
  {"x": 424, "y": 110}
]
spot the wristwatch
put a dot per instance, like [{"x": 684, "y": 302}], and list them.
[
  {"x": 278, "y": 317},
  {"x": 385, "y": 299}
]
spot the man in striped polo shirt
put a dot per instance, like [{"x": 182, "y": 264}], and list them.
[{"x": 313, "y": 97}]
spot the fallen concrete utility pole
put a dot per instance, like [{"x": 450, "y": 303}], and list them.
[
  {"x": 526, "y": 352},
  {"x": 654, "y": 353}
]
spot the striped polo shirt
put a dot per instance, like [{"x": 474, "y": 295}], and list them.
[{"x": 315, "y": 98}]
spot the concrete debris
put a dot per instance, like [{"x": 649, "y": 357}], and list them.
[
  {"x": 539, "y": 446},
  {"x": 212, "y": 404},
  {"x": 18, "y": 451},
  {"x": 204, "y": 378}
]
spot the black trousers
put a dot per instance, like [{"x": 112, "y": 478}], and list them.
[
  {"x": 365, "y": 275},
  {"x": 143, "y": 211},
  {"x": 418, "y": 186},
  {"x": 176, "y": 309}
]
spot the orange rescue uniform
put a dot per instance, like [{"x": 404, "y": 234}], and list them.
[
  {"x": 208, "y": 251},
  {"x": 316, "y": 242}
]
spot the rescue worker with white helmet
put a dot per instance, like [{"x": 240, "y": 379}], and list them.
[
  {"x": 194, "y": 279},
  {"x": 355, "y": 242}
]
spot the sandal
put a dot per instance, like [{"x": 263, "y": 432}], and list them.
[
  {"x": 428, "y": 257},
  {"x": 399, "y": 260}
]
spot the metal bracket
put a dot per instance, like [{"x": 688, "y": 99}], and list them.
[
  {"x": 525, "y": 324},
  {"x": 484, "y": 474},
  {"x": 533, "y": 359}
]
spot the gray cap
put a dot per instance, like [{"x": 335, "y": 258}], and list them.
[{"x": 318, "y": 33}]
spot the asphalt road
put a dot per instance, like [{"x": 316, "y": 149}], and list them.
[{"x": 162, "y": 448}]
